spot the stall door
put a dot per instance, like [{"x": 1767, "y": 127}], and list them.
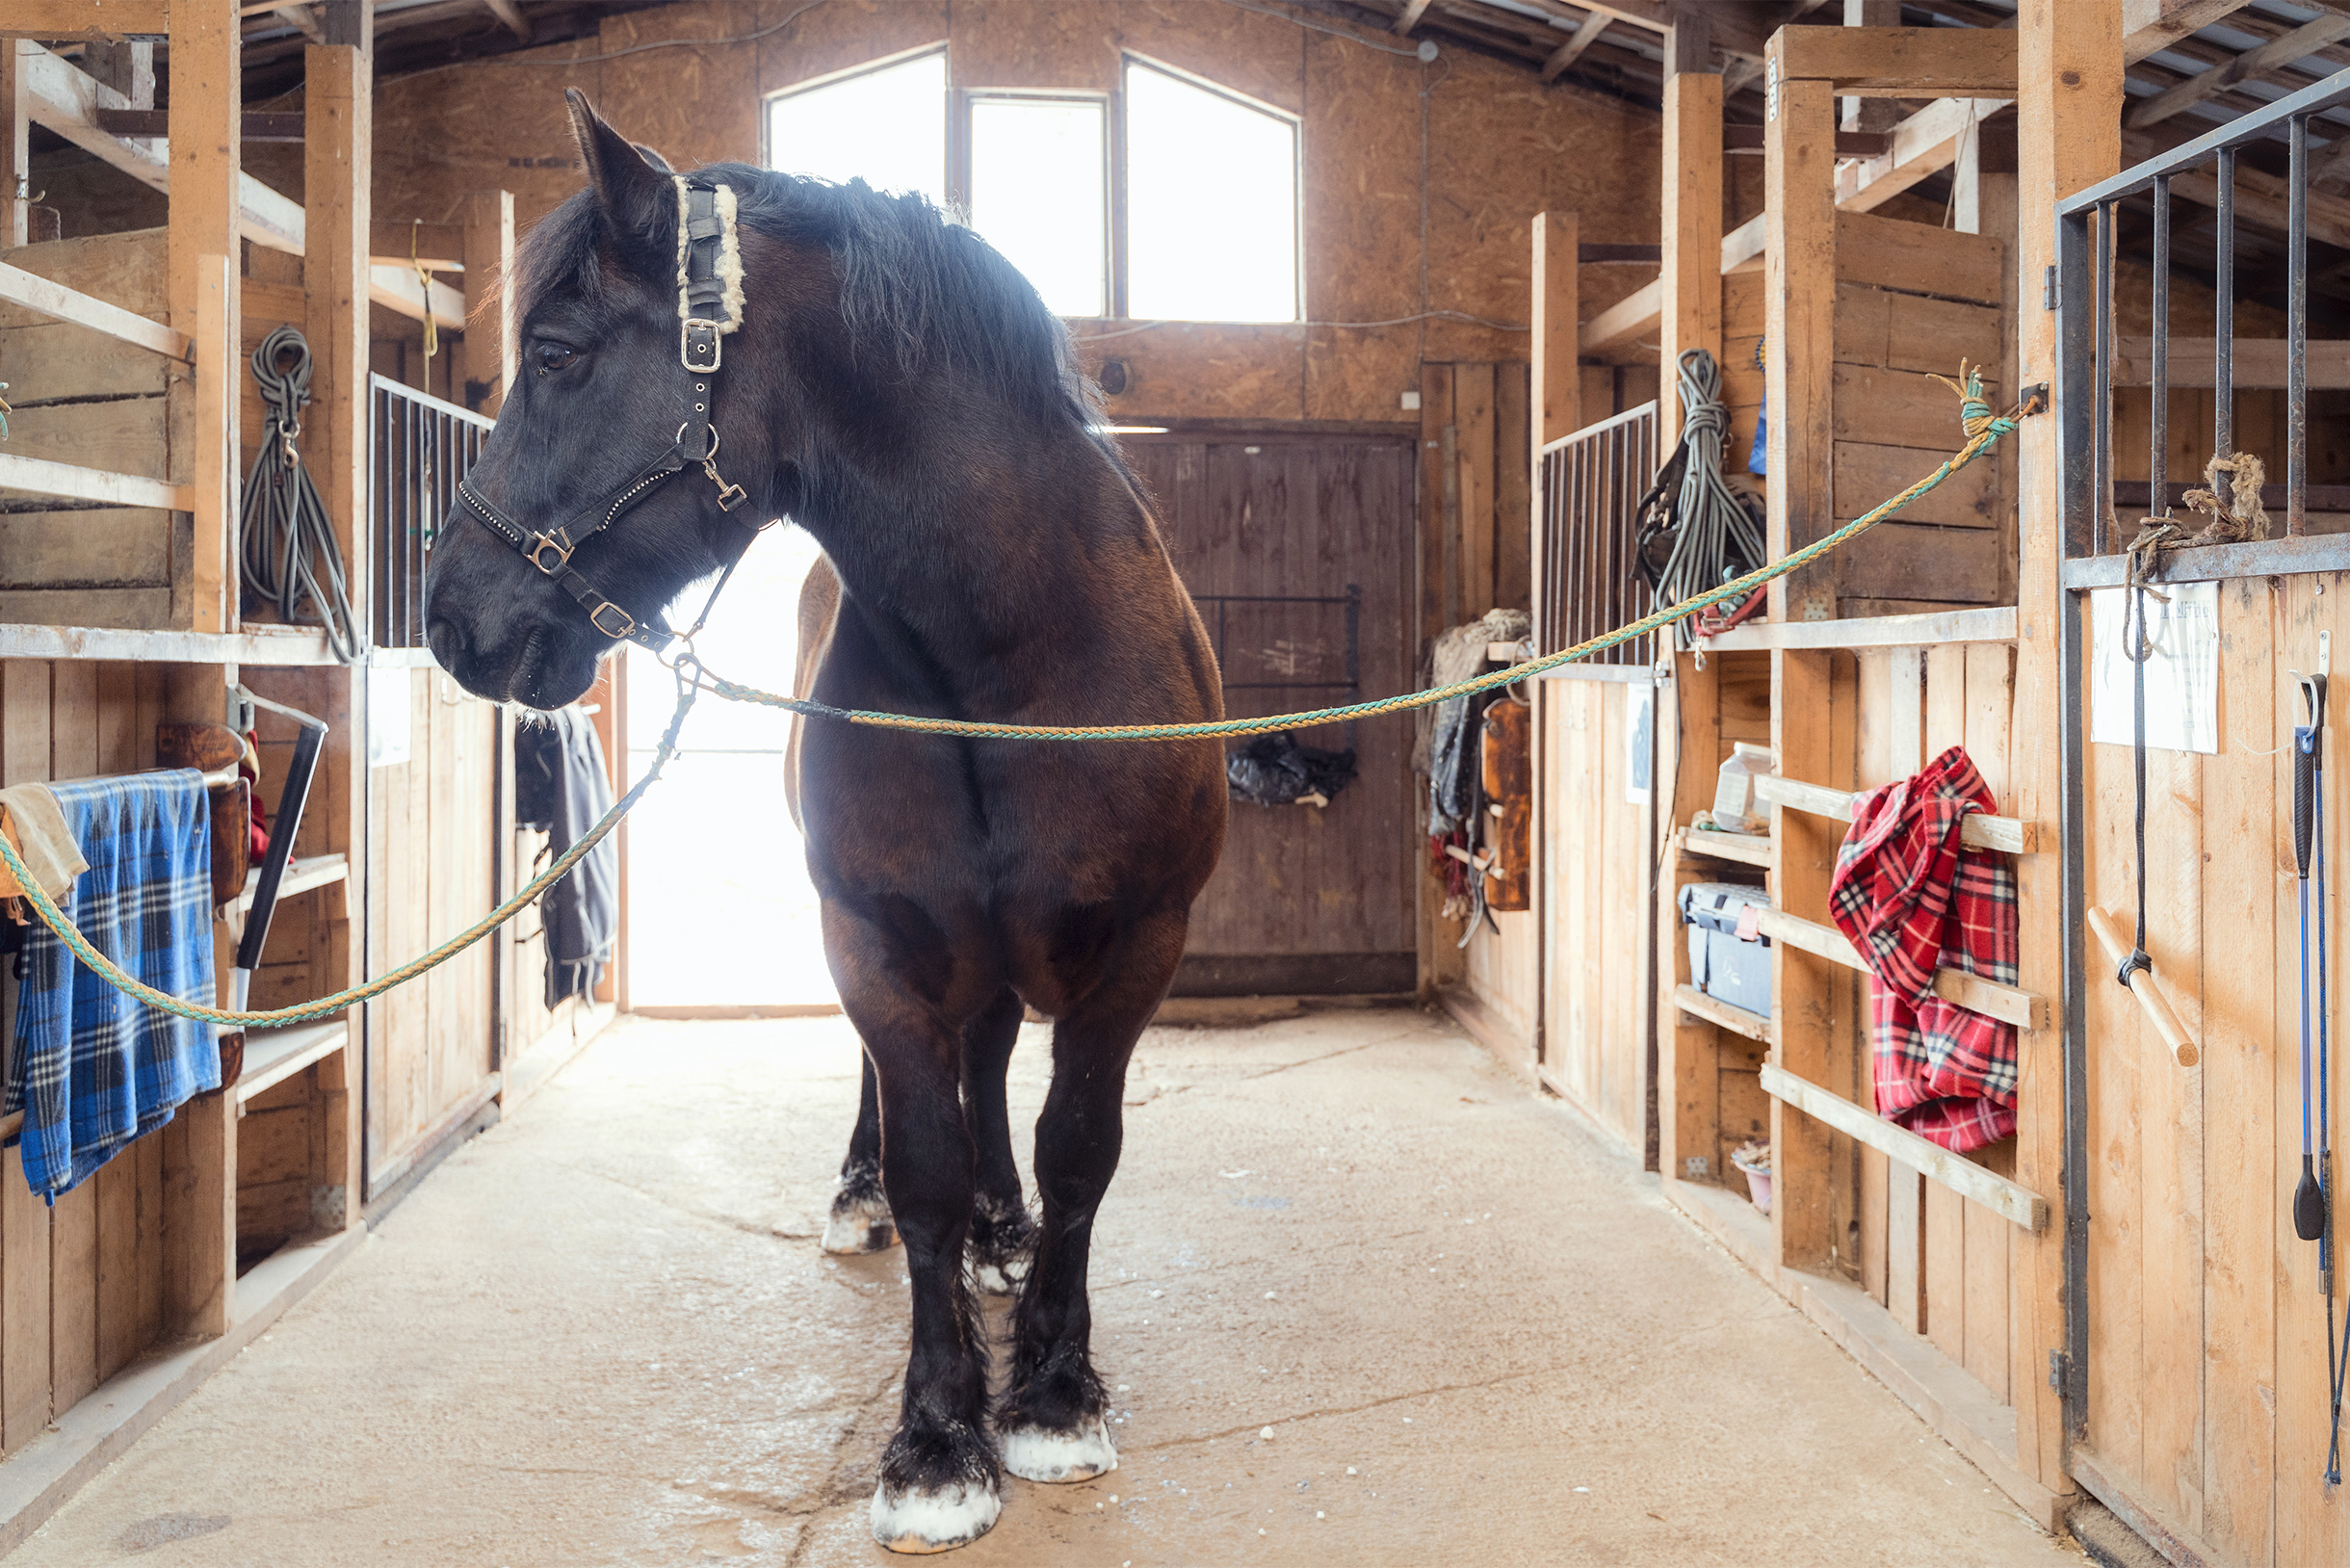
[{"x": 1298, "y": 548}]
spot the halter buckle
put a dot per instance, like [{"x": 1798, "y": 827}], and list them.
[
  {"x": 536, "y": 550},
  {"x": 730, "y": 496},
  {"x": 698, "y": 332},
  {"x": 626, "y": 628}
]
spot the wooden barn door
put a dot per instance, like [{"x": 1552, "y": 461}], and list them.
[{"x": 1298, "y": 547}]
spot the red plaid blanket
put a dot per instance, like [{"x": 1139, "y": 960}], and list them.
[{"x": 1913, "y": 902}]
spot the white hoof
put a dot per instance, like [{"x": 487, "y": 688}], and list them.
[
  {"x": 917, "y": 1522},
  {"x": 1035, "y": 1454},
  {"x": 861, "y": 1225},
  {"x": 995, "y": 1278}
]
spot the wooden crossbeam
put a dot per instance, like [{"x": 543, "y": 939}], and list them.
[
  {"x": 2152, "y": 26},
  {"x": 1714, "y": 1010},
  {"x": 1978, "y": 830},
  {"x": 156, "y": 122},
  {"x": 1900, "y": 61},
  {"x": 394, "y": 286},
  {"x": 1961, "y": 1175},
  {"x": 1412, "y": 12},
  {"x": 1569, "y": 52},
  {"x": 1972, "y": 992},
  {"x": 21, "y": 287},
  {"x": 38, "y": 476},
  {"x": 1925, "y": 143},
  {"x": 2274, "y": 55},
  {"x": 92, "y": 19},
  {"x": 510, "y": 13}
]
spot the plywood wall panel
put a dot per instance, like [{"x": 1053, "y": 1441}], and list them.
[
  {"x": 693, "y": 105},
  {"x": 1071, "y": 45},
  {"x": 839, "y": 35}
]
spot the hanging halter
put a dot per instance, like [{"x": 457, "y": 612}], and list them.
[{"x": 709, "y": 306}]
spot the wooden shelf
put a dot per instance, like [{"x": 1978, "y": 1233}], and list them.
[
  {"x": 1977, "y": 831},
  {"x": 271, "y": 1056},
  {"x": 1955, "y": 1171},
  {"x": 1972, "y": 992},
  {"x": 274, "y": 645},
  {"x": 1996, "y": 624},
  {"x": 1747, "y": 849},
  {"x": 300, "y": 876},
  {"x": 1714, "y": 1010}
]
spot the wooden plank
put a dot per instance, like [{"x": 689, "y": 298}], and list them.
[
  {"x": 1750, "y": 849},
  {"x": 25, "y": 1361},
  {"x": 73, "y": 1221},
  {"x": 40, "y": 476},
  {"x": 2007, "y": 1198},
  {"x": 91, "y": 19},
  {"x": 1899, "y": 62},
  {"x": 1557, "y": 315},
  {"x": 213, "y": 476},
  {"x": 1629, "y": 319},
  {"x": 1994, "y": 624},
  {"x": 15, "y": 148},
  {"x": 1803, "y": 984},
  {"x": 1800, "y": 289},
  {"x": 1738, "y": 1020},
  {"x": 336, "y": 150},
  {"x": 1977, "y": 832},
  {"x": 1513, "y": 479},
  {"x": 490, "y": 344},
  {"x": 1869, "y": 473},
  {"x": 2150, "y": 26},
  {"x": 1688, "y": 719},
  {"x": 35, "y": 292},
  {"x": 2005, "y": 1002},
  {"x": 1918, "y": 258},
  {"x": 397, "y": 289},
  {"x": 1945, "y": 1249},
  {"x": 1689, "y": 298}
]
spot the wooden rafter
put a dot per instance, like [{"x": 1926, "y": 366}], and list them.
[
  {"x": 2298, "y": 45},
  {"x": 1569, "y": 52},
  {"x": 1413, "y": 11},
  {"x": 510, "y": 13}
]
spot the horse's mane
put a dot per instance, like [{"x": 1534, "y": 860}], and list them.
[{"x": 927, "y": 292}]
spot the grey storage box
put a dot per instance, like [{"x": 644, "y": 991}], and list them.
[{"x": 1722, "y": 964}]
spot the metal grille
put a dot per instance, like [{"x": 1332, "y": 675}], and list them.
[
  {"x": 1591, "y": 486},
  {"x": 1298, "y": 661},
  {"x": 418, "y": 447}
]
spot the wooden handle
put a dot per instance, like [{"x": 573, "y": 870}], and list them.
[{"x": 2156, "y": 1005}]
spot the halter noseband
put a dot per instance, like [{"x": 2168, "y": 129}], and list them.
[{"x": 709, "y": 306}]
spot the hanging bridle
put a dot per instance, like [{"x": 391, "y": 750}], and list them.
[{"x": 709, "y": 306}]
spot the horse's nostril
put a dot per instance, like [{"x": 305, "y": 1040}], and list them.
[{"x": 446, "y": 642}]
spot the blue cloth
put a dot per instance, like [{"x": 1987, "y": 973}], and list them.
[{"x": 91, "y": 1068}]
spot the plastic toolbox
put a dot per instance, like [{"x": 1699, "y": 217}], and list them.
[{"x": 1728, "y": 958}]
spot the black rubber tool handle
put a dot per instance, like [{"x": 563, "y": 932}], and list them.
[{"x": 2304, "y": 795}]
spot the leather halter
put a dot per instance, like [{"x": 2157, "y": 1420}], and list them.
[{"x": 707, "y": 309}]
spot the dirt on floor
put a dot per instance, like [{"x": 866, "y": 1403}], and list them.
[{"x": 1364, "y": 1299}]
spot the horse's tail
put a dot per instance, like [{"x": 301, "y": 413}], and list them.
[{"x": 819, "y": 612}]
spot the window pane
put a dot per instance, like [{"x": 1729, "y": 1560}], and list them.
[
  {"x": 1038, "y": 170},
  {"x": 1211, "y": 203},
  {"x": 887, "y": 128}
]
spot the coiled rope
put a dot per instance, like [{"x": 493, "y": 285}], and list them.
[
  {"x": 1715, "y": 535},
  {"x": 1983, "y": 431},
  {"x": 287, "y": 535}
]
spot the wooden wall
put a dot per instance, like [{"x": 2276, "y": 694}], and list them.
[{"x": 1500, "y": 147}]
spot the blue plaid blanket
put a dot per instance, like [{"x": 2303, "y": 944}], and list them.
[{"x": 91, "y": 1068}]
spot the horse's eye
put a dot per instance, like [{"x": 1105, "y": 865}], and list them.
[{"x": 555, "y": 356}]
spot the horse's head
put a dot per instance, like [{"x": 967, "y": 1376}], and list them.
[{"x": 600, "y": 396}]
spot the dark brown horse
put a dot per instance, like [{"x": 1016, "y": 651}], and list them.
[{"x": 894, "y": 385}]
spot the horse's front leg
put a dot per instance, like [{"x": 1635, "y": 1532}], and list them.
[
  {"x": 1053, "y": 1423},
  {"x": 940, "y": 1484},
  {"x": 860, "y": 1220},
  {"x": 1001, "y": 1229}
]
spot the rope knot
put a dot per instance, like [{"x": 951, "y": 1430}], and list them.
[
  {"x": 2136, "y": 962},
  {"x": 1975, "y": 414}
]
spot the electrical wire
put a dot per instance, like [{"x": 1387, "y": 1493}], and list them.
[
  {"x": 1399, "y": 321},
  {"x": 287, "y": 539},
  {"x": 1715, "y": 536}
]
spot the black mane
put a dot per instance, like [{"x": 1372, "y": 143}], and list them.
[{"x": 928, "y": 292}]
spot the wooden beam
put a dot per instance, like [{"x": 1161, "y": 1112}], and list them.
[
  {"x": 67, "y": 101},
  {"x": 489, "y": 347},
  {"x": 85, "y": 19},
  {"x": 440, "y": 247},
  {"x": 1413, "y": 11},
  {"x": 2008, "y": 1199},
  {"x": 303, "y": 19},
  {"x": 2152, "y": 26},
  {"x": 1557, "y": 373},
  {"x": 2298, "y": 45},
  {"x": 393, "y": 285},
  {"x": 2261, "y": 200},
  {"x": 2009, "y": 1004},
  {"x": 155, "y": 123},
  {"x": 1754, "y": 1026},
  {"x": 1689, "y": 288},
  {"x": 38, "y": 476},
  {"x": 339, "y": 283},
  {"x": 1800, "y": 268},
  {"x": 1996, "y": 624},
  {"x": 214, "y": 485},
  {"x": 1900, "y": 61},
  {"x": 1569, "y": 52},
  {"x": 16, "y": 144},
  {"x": 201, "y": 254},
  {"x": 510, "y": 13},
  {"x": 1688, "y": 42},
  {"x": 1924, "y": 144},
  {"x": 21, "y": 287}
]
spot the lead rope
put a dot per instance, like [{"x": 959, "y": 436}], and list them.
[
  {"x": 1983, "y": 431},
  {"x": 287, "y": 535}
]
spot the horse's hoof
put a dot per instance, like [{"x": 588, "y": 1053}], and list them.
[
  {"x": 940, "y": 1521},
  {"x": 997, "y": 1276},
  {"x": 860, "y": 1224},
  {"x": 1036, "y": 1454}
]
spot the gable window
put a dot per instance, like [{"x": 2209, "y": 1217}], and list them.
[
  {"x": 885, "y": 125},
  {"x": 1040, "y": 193},
  {"x": 1212, "y": 207}
]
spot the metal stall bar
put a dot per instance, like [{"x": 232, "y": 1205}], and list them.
[
  {"x": 2297, "y": 333},
  {"x": 418, "y": 448},
  {"x": 2223, "y": 339}
]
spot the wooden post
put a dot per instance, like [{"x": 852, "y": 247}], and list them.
[
  {"x": 1872, "y": 114},
  {"x": 15, "y": 147},
  {"x": 489, "y": 299},
  {"x": 1558, "y": 316},
  {"x": 1556, "y": 380},
  {"x": 1692, "y": 283},
  {"x": 1799, "y": 288},
  {"x": 2068, "y": 136},
  {"x": 207, "y": 125}
]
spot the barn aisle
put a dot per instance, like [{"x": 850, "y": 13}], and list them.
[{"x": 603, "y": 1333}]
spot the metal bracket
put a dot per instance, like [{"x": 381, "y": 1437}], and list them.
[
  {"x": 2060, "y": 1370},
  {"x": 2049, "y": 293}
]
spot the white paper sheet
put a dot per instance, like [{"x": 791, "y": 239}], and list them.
[{"x": 2182, "y": 668}]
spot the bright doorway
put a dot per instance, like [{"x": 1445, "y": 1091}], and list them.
[{"x": 720, "y": 912}]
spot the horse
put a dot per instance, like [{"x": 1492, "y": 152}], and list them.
[{"x": 886, "y": 379}]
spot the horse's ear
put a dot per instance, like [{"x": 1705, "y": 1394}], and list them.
[
  {"x": 631, "y": 191},
  {"x": 654, "y": 160}
]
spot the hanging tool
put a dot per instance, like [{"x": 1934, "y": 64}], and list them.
[
  {"x": 2309, "y": 1198},
  {"x": 283, "y": 826}
]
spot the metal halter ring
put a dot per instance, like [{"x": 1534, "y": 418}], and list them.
[
  {"x": 697, "y": 457},
  {"x": 628, "y": 622},
  {"x": 536, "y": 552}
]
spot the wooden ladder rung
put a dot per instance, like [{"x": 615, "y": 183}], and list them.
[
  {"x": 1747, "y": 849},
  {"x": 1714, "y": 1010},
  {"x": 1972, "y": 992},
  {"x": 1977, "y": 831},
  {"x": 1955, "y": 1171}
]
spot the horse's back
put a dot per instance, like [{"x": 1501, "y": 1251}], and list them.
[{"x": 819, "y": 610}]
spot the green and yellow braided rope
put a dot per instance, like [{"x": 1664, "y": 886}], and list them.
[{"x": 1983, "y": 431}]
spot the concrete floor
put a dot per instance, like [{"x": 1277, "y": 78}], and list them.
[{"x": 1367, "y": 1300}]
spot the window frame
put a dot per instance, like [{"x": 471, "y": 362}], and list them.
[
  {"x": 1128, "y": 60},
  {"x": 1114, "y": 210},
  {"x": 833, "y": 78}
]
